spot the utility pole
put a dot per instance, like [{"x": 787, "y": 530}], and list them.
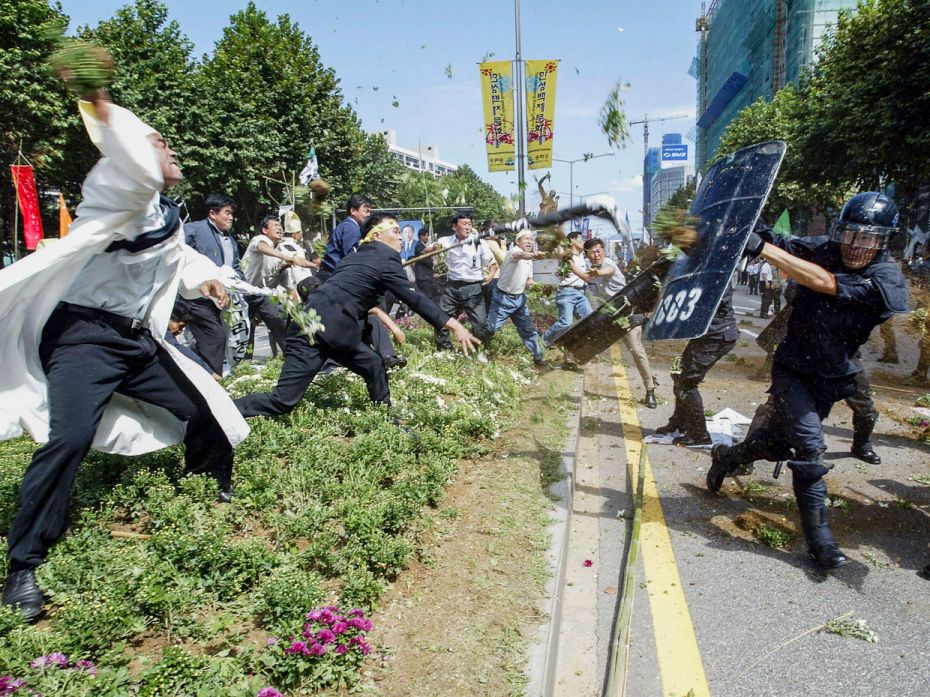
[
  {"x": 571, "y": 170},
  {"x": 645, "y": 123},
  {"x": 518, "y": 112}
]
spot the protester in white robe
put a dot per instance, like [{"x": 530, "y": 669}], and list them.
[{"x": 101, "y": 267}]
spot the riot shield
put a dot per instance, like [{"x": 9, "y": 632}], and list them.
[
  {"x": 608, "y": 323},
  {"x": 726, "y": 207}
]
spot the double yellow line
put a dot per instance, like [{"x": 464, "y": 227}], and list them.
[{"x": 680, "y": 664}]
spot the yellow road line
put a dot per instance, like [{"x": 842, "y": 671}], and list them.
[{"x": 680, "y": 662}]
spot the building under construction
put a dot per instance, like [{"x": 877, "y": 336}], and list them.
[{"x": 749, "y": 49}]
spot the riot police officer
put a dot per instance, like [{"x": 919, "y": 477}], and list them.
[{"x": 848, "y": 286}]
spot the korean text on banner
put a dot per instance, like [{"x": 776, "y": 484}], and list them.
[
  {"x": 540, "y": 111},
  {"x": 25, "y": 185},
  {"x": 497, "y": 95}
]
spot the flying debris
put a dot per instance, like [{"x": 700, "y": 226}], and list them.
[
  {"x": 422, "y": 45},
  {"x": 375, "y": 88},
  {"x": 577, "y": 72},
  {"x": 395, "y": 103},
  {"x": 620, "y": 29},
  {"x": 449, "y": 70},
  {"x": 487, "y": 56}
]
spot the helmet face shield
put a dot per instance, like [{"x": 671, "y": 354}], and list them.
[{"x": 859, "y": 244}]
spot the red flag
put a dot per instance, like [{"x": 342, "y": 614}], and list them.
[
  {"x": 25, "y": 185},
  {"x": 64, "y": 217}
]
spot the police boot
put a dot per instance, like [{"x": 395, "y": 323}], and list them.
[
  {"x": 650, "y": 400},
  {"x": 692, "y": 421},
  {"x": 862, "y": 440},
  {"x": 812, "y": 504},
  {"x": 722, "y": 464}
]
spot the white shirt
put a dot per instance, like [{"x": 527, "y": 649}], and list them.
[
  {"x": 571, "y": 279},
  {"x": 467, "y": 262},
  {"x": 515, "y": 273},
  {"x": 605, "y": 287},
  {"x": 765, "y": 272},
  {"x": 295, "y": 274},
  {"x": 259, "y": 268},
  {"x": 123, "y": 282}
]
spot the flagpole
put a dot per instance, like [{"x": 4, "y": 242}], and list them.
[{"x": 518, "y": 103}]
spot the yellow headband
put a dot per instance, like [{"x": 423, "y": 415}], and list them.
[{"x": 383, "y": 226}]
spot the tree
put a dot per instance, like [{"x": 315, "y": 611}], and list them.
[
  {"x": 379, "y": 174},
  {"x": 275, "y": 98},
  {"x": 34, "y": 109},
  {"x": 785, "y": 118},
  {"x": 155, "y": 76},
  {"x": 870, "y": 98},
  {"x": 466, "y": 188}
]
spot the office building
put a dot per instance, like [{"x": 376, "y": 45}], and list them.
[{"x": 750, "y": 49}]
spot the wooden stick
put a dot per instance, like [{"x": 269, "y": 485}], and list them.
[{"x": 127, "y": 535}]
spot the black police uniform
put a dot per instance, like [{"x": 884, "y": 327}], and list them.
[
  {"x": 700, "y": 355},
  {"x": 343, "y": 301},
  {"x": 815, "y": 366}
]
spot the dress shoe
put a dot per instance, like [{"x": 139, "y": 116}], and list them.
[
  {"x": 719, "y": 467},
  {"x": 866, "y": 453},
  {"x": 688, "y": 440},
  {"x": 651, "y": 399},
  {"x": 828, "y": 556},
  {"x": 225, "y": 495},
  {"x": 22, "y": 593},
  {"x": 395, "y": 362},
  {"x": 667, "y": 429},
  {"x": 925, "y": 572}
]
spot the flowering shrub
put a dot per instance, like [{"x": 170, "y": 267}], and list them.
[
  {"x": 327, "y": 510},
  {"x": 53, "y": 674},
  {"x": 328, "y": 651}
]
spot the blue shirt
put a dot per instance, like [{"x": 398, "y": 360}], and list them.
[{"x": 342, "y": 242}]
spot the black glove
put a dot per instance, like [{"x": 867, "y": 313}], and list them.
[{"x": 754, "y": 244}]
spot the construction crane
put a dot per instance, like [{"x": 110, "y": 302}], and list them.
[{"x": 645, "y": 123}]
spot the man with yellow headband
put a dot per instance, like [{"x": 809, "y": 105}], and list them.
[{"x": 343, "y": 302}]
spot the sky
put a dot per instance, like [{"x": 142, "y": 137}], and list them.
[{"x": 405, "y": 48}]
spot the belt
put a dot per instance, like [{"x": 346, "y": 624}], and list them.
[
  {"x": 131, "y": 325},
  {"x": 512, "y": 295},
  {"x": 464, "y": 283}
]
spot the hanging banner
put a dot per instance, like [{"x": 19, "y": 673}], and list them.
[
  {"x": 64, "y": 217},
  {"x": 497, "y": 95},
  {"x": 25, "y": 185},
  {"x": 540, "y": 111}
]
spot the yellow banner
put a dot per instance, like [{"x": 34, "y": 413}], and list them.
[
  {"x": 497, "y": 95},
  {"x": 540, "y": 111}
]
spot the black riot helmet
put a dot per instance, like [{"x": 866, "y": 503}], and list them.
[{"x": 864, "y": 227}]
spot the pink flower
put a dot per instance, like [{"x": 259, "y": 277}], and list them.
[
  {"x": 317, "y": 649},
  {"x": 271, "y": 641},
  {"x": 365, "y": 648},
  {"x": 86, "y": 666},
  {"x": 314, "y": 615},
  {"x": 587, "y": 563},
  {"x": 297, "y": 647},
  {"x": 58, "y": 660},
  {"x": 340, "y": 627},
  {"x": 9, "y": 684},
  {"x": 269, "y": 692},
  {"x": 356, "y": 612},
  {"x": 341, "y": 649},
  {"x": 326, "y": 636}
]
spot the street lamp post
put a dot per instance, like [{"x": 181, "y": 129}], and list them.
[{"x": 571, "y": 170}]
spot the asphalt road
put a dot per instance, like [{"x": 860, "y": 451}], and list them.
[{"x": 717, "y": 611}]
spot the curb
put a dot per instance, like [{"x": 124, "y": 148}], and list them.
[{"x": 544, "y": 655}]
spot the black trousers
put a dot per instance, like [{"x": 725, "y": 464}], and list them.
[
  {"x": 791, "y": 429},
  {"x": 302, "y": 361},
  {"x": 86, "y": 362},
  {"x": 467, "y": 297},
  {"x": 429, "y": 288},
  {"x": 771, "y": 295},
  {"x": 260, "y": 306},
  {"x": 206, "y": 326},
  {"x": 699, "y": 357}
]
